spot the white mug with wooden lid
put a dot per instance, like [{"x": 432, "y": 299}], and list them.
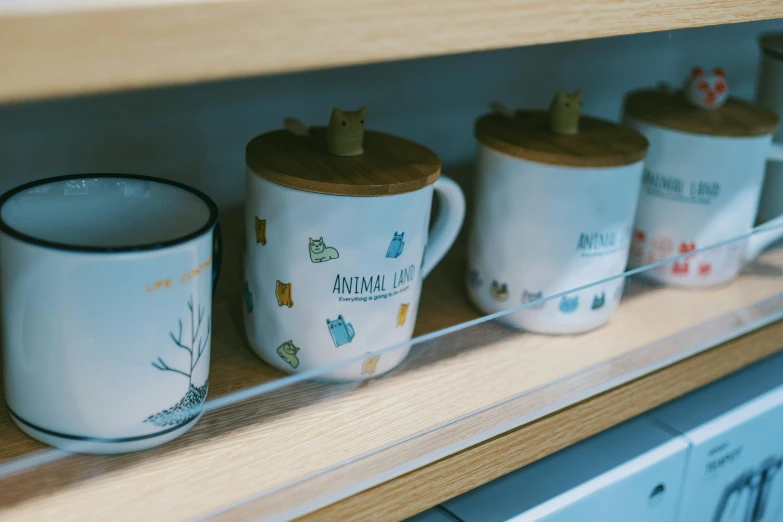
[
  {"x": 553, "y": 213},
  {"x": 701, "y": 186},
  {"x": 337, "y": 246}
]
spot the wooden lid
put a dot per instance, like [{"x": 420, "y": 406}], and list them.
[
  {"x": 599, "y": 143},
  {"x": 736, "y": 118},
  {"x": 772, "y": 45},
  {"x": 389, "y": 164}
]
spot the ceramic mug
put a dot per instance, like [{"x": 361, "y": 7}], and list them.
[
  {"x": 107, "y": 309},
  {"x": 770, "y": 94},
  {"x": 331, "y": 277},
  {"x": 542, "y": 229},
  {"x": 698, "y": 190}
]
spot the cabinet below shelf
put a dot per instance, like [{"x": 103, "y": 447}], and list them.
[
  {"x": 52, "y": 48},
  {"x": 293, "y": 447}
]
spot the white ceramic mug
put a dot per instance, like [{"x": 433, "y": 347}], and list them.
[
  {"x": 698, "y": 190},
  {"x": 107, "y": 301},
  {"x": 331, "y": 277},
  {"x": 541, "y": 229},
  {"x": 770, "y": 94}
]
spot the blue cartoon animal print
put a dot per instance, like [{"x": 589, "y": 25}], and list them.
[
  {"x": 395, "y": 247},
  {"x": 569, "y": 304},
  {"x": 599, "y": 300},
  {"x": 248, "y": 298},
  {"x": 319, "y": 252},
  {"x": 532, "y": 297},
  {"x": 475, "y": 279},
  {"x": 342, "y": 332}
]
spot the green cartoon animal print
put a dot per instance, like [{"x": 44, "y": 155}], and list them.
[
  {"x": 287, "y": 351},
  {"x": 319, "y": 252},
  {"x": 499, "y": 292}
]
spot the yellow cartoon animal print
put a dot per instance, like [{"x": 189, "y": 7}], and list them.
[
  {"x": 369, "y": 364},
  {"x": 284, "y": 294},
  {"x": 402, "y": 314},
  {"x": 261, "y": 231}
]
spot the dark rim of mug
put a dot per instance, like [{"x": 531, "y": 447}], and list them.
[{"x": 7, "y": 229}]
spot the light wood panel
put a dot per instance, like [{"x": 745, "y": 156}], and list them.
[
  {"x": 431, "y": 485},
  {"x": 83, "y": 46},
  {"x": 234, "y": 454}
]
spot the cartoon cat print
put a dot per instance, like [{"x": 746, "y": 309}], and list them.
[
  {"x": 287, "y": 351},
  {"x": 319, "y": 252},
  {"x": 369, "y": 364},
  {"x": 261, "y": 231},
  {"x": 345, "y": 133},
  {"x": 532, "y": 297},
  {"x": 395, "y": 247},
  {"x": 283, "y": 292},
  {"x": 569, "y": 304},
  {"x": 341, "y": 332},
  {"x": 402, "y": 313},
  {"x": 598, "y": 301},
  {"x": 475, "y": 278},
  {"x": 248, "y": 298},
  {"x": 499, "y": 292}
]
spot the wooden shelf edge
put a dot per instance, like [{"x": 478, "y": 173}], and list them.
[
  {"x": 435, "y": 483},
  {"x": 47, "y": 54}
]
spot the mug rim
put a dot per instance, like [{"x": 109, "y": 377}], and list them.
[{"x": 144, "y": 247}]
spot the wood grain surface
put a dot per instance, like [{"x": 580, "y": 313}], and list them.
[
  {"x": 389, "y": 164},
  {"x": 265, "y": 443},
  {"x": 431, "y": 485},
  {"x": 50, "y": 48},
  {"x": 737, "y": 118},
  {"x": 599, "y": 143}
]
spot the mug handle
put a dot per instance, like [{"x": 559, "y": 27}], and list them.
[
  {"x": 217, "y": 255},
  {"x": 771, "y": 231},
  {"x": 447, "y": 225}
]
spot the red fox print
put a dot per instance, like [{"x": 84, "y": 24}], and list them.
[
  {"x": 680, "y": 267},
  {"x": 687, "y": 247},
  {"x": 639, "y": 235},
  {"x": 705, "y": 268}
]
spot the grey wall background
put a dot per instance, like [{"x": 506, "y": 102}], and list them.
[{"x": 197, "y": 133}]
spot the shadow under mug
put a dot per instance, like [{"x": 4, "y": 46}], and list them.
[{"x": 107, "y": 284}]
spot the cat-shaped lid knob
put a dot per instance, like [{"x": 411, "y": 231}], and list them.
[
  {"x": 560, "y": 135},
  {"x": 342, "y": 158},
  {"x": 707, "y": 90}
]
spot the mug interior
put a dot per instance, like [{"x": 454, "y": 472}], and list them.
[{"x": 106, "y": 212}]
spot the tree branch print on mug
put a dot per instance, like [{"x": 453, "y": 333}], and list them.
[{"x": 191, "y": 403}]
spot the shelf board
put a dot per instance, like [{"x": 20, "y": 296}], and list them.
[
  {"x": 55, "y": 48},
  {"x": 313, "y": 444}
]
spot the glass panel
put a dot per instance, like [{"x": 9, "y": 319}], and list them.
[{"x": 275, "y": 446}]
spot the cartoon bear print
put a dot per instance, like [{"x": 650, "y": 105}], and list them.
[
  {"x": 283, "y": 291},
  {"x": 287, "y": 351},
  {"x": 319, "y": 252},
  {"x": 532, "y": 297}
]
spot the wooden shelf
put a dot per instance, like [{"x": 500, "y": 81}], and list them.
[
  {"x": 461, "y": 398},
  {"x": 55, "y": 48}
]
